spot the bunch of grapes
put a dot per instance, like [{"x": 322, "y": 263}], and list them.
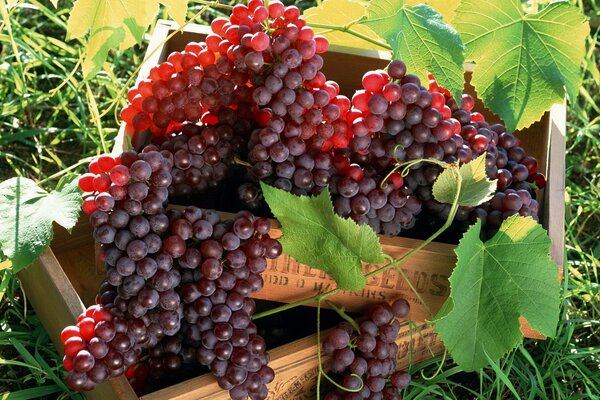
[
  {"x": 506, "y": 161},
  {"x": 395, "y": 119},
  {"x": 193, "y": 85},
  {"x": 217, "y": 313},
  {"x": 365, "y": 361},
  {"x": 148, "y": 251},
  {"x": 101, "y": 346},
  {"x": 364, "y": 185},
  {"x": 305, "y": 113}
]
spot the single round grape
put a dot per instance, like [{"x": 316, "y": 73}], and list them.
[
  {"x": 400, "y": 379},
  {"x": 344, "y": 357},
  {"x": 380, "y": 314},
  {"x": 400, "y": 308},
  {"x": 338, "y": 338}
]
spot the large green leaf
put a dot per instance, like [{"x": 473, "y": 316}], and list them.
[
  {"x": 494, "y": 283},
  {"x": 475, "y": 188},
  {"x": 26, "y": 216},
  {"x": 444, "y": 7},
  {"x": 420, "y": 37},
  {"x": 314, "y": 235},
  {"x": 115, "y": 24},
  {"x": 524, "y": 61}
]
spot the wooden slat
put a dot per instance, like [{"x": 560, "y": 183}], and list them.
[
  {"x": 554, "y": 201},
  {"x": 50, "y": 292},
  {"x": 428, "y": 271},
  {"x": 76, "y": 255},
  {"x": 295, "y": 366},
  {"x": 57, "y": 305}
]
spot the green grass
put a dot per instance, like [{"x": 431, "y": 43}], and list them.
[{"x": 44, "y": 131}]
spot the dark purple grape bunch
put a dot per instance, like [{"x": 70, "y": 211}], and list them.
[
  {"x": 506, "y": 161},
  {"x": 131, "y": 232},
  {"x": 290, "y": 152},
  {"x": 365, "y": 361},
  {"x": 361, "y": 194},
  {"x": 201, "y": 156},
  {"x": 148, "y": 251},
  {"x": 219, "y": 272}
]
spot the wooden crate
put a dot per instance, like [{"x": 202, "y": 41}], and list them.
[
  {"x": 66, "y": 277},
  {"x": 428, "y": 271}
]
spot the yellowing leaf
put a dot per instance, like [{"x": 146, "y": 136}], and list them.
[
  {"x": 341, "y": 13},
  {"x": 114, "y": 24},
  {"x": 475, "y": 188},
  {"x": 54, "y": 3},
  {"x": 524, "y": 62},
  {"x": 444, "y": 7},
  {"x": 176, "y": 9}
]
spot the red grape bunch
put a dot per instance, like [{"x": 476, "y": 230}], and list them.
[
  {"x": 304, "y": 113},
  {"x": 101, "y": 346},
  {"x": 364, "y": 186},
  {"x": 193, "y": 85},
  {"x": 365, "y": 361},
  {"x": 395, "y": 119}
]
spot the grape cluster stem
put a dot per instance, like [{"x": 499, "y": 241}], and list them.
[{"x": 346, "y": 29}]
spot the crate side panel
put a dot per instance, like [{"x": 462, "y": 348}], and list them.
[
  {"x": 75, "y": 254},
  {"x": 57, "y": 305},
  {"x": 428, "y": 271},
  {"x": 51, "y": 294},
  {"x": 554, "y": 200},
  {"x": 296, "y": 368}
]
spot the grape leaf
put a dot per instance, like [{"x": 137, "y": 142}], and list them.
[
  {"x": 419, "y": 36},
  {"x": 494, "y": 283},
  {"x": 444, "y": 7},
  {"x": 314, "y": 235},
  {"x": 341, "y": 13},
  {"x": 115, "y": 24},
  {"x": 524, "y": 61},
  {"x": 26, "y": 216},
  {"x": 475, "y": 189}
]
